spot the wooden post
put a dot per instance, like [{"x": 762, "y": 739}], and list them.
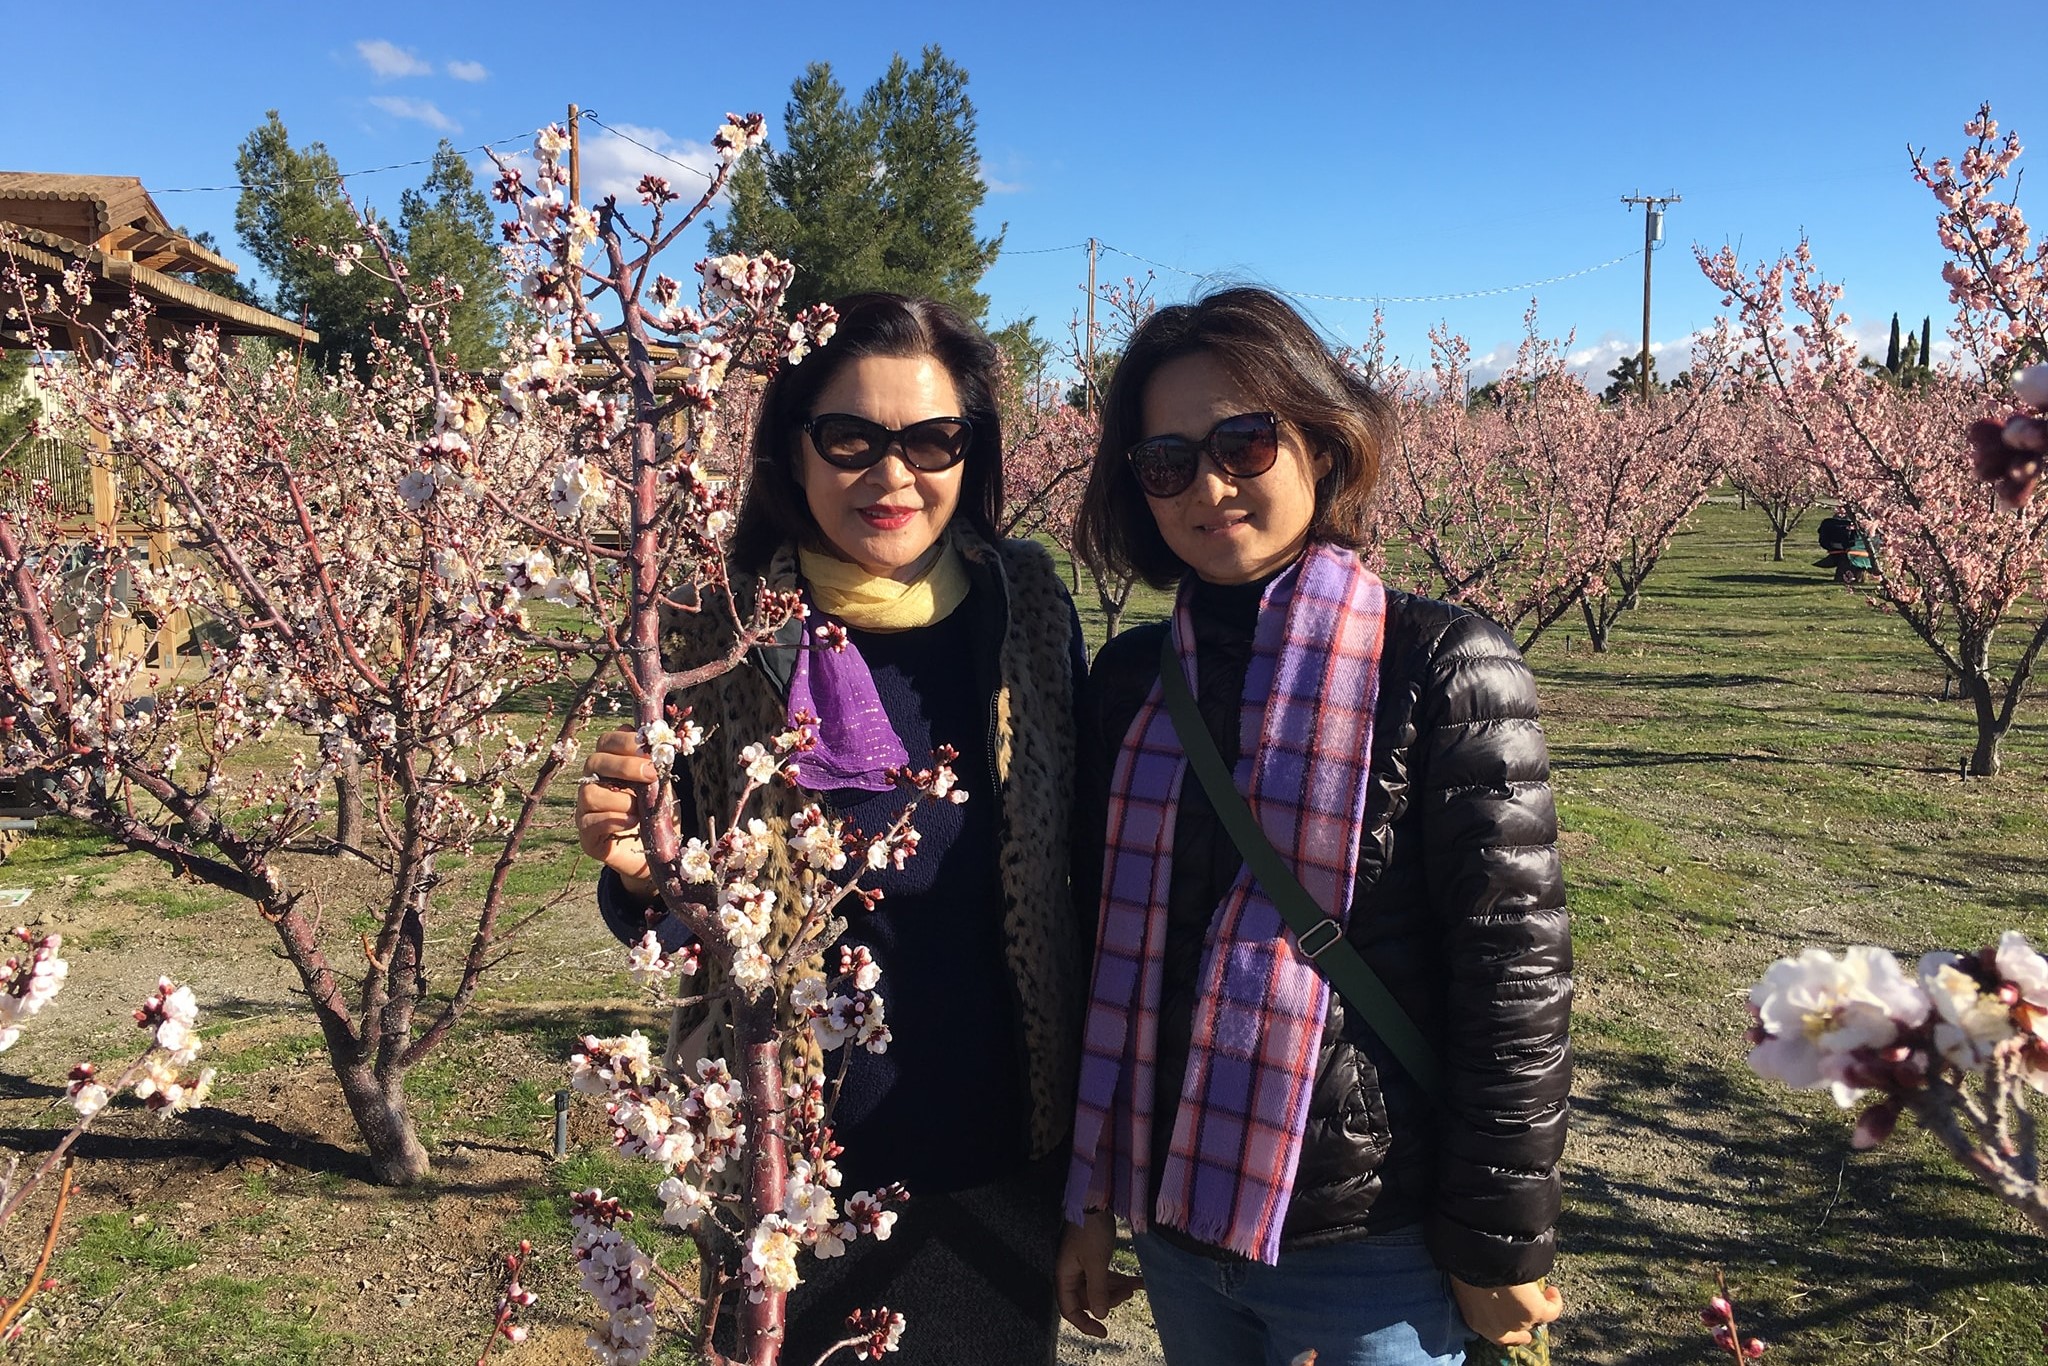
[{"x": 575, "y": 156}]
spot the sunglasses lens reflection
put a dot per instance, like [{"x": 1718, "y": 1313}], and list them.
[{"x": 1243, "y": 447}]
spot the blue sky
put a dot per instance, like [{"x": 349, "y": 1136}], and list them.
[{"x": 1423, "y": 149}]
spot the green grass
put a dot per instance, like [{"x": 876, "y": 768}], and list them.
[{"x": 1762, "y": 762}]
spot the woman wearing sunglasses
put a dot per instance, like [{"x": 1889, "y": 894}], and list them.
[
  {"x": 876, "y": 482},
  {"x": 1359, "y": 1159}
]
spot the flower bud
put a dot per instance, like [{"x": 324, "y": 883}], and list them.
[
  {"x": 1754, "y": 1348},
  {"x": 1718, "y": 1310},
  {"x": 1875, "y": 1125}
]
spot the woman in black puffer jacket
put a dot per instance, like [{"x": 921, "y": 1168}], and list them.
[{"x": 1373, "y": 1215}]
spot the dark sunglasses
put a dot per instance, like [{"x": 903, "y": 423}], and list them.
[
  {"x": 1243, "y": 447},
  {"x": 853, "y": 443}
]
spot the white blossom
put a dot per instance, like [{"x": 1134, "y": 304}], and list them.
[
  {"x": 1972, "y": 1022},
  {"x": 1817, "y": 1010}
]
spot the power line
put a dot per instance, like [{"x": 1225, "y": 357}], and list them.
[
  {"x": 1395, "y": 298},
  {"x": 343, "y": 175}
]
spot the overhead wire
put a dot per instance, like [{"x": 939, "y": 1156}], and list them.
[
  {"x": 343, "y": 175},
  {"x": 653, "y": 152}
]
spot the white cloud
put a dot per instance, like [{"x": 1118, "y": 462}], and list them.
[
  {"x": 995, "y": 183},
  {"x": 388, "y": 61},
  {"x": 468, "y": 71},
  {"x": 613, "y": 165},
  {"x": 422, "y": 111},
  {"x": 1592, "y": 362}
]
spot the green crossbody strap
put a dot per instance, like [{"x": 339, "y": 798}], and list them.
[{"x": 1321, "y": 938}]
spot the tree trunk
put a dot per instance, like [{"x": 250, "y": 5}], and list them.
[
  {"x": 1112, "y": 610},
  {"x": 1984, "y": 761},
  {"x": 1777, "y": 543},
  {"x": 378, "y": 1105},
  {"x": 1596, "y": 627},
  {"x": 761, "y": 1324},
  {"x": 348, "y": 803}
]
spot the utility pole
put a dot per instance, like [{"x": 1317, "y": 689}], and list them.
[
  {"x": 575, "y": 156},
  {"x": 1088, "y": 380},
  {"x": 1653, "y": 233}
]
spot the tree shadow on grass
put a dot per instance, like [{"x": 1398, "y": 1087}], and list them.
[
  {"x": 207, "y": 1135},
  {"x": 1567, "y": 756},
  {"x": 1570, "y": 756},
  {"x": 1840, "y": 1245},
  {"x": 216, "y": 1138},
  {"x": 1706, "y": 680},
  {"x": 1773, "y": 578},
  {"x": 556, "y": 1031}
]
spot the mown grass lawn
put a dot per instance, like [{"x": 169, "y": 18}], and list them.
[{"x": 1760, "y": 762}]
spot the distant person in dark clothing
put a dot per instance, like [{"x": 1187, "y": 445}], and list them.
[{"x": 1848, "y": 549}]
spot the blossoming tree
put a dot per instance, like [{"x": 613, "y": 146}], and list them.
[
  {"x": 1957, "y": 571},
  {"x": 340, "y": 613},
  {"x": 745, "y": 1137},
  {"x": 1488, "y": 504},
  {"x": 1658, "y": 459},
  {"x": 1769, "y": 461}
]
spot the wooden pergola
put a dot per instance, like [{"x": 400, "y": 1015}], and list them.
[
  {"x": 109, "y": 223},
  {"x": 51, "y": 224}
]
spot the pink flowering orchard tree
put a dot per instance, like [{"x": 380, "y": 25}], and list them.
[
  {"x": 1770, "y": 461},
  {"x": 354, "y": 597},
  {"x": 1490, "y": 504},
  {"x": 1960, "y": 570},
  {"x": 1050, "y": 446},
  {"x": 1658, "y": 459},
  {"x": 745, "y": 1138},
  {"x": 1094, "y": 347}
]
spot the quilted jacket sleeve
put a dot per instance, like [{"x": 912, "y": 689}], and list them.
[{"x": 1497, "y": 894}]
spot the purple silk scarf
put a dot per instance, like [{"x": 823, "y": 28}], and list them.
[
  {"x": 856, "y": 743},
  {"x": 1306, "y": 739}
]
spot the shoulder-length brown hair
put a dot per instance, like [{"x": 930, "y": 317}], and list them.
[
  {"x": 1282, "y": 366},
  {"x": 774, "y": 512}
]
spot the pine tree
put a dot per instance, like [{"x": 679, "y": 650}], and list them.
[
  {"x": 18, "y": 404},
  {"x": 881, "y": 195},
  {"x": 291, "y": 194},
  {"x": 447, "y": 227},
  {"x": 1892, "y": 359}
]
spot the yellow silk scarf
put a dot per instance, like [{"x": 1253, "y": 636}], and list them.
[{"x": 858, "y": 598}]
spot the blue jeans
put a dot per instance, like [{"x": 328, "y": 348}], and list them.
[{"x": 1376, "y": 1301}]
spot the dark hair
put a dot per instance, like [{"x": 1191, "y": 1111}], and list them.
[
  {"x": 774, "y": 511},
  {"x": 1282, "y": 366}
]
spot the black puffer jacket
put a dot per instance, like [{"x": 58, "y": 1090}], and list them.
[{"x": 1459, "y": 908}]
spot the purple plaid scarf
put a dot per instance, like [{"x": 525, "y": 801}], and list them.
[{"x": 1305, "y": 740}]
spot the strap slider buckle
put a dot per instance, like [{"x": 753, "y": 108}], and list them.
[{"x": 1325, "y": 933}]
